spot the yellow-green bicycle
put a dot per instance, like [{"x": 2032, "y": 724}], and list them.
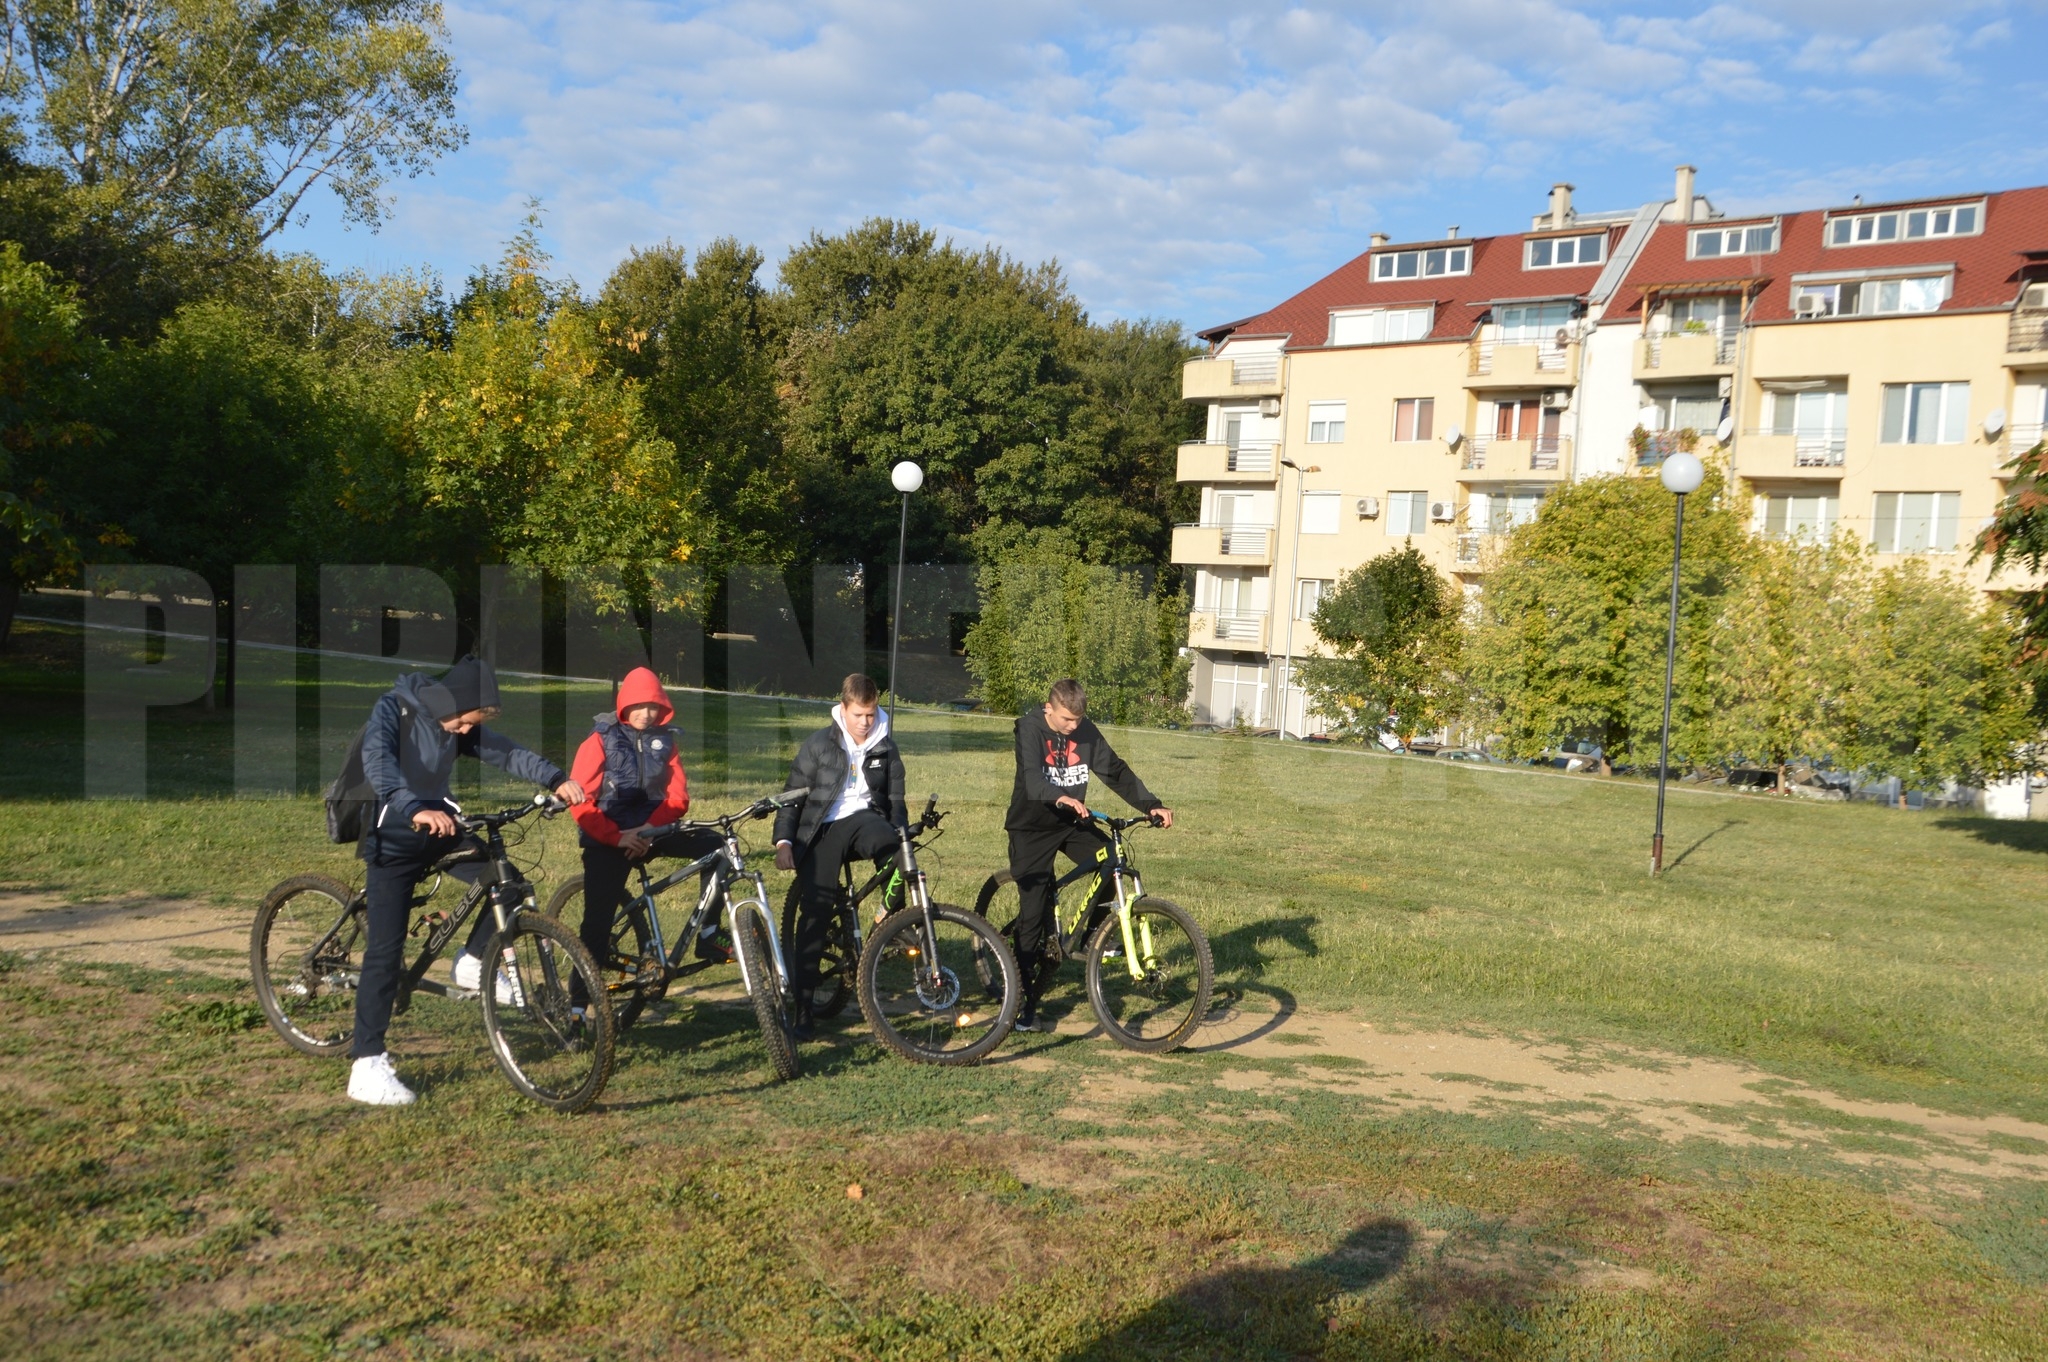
[{"x": 1149, "y": 970}]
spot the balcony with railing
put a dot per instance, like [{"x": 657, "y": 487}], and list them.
[
  {"x": 2027, "y": 336},
  {"x": 1243, "y": 630},
  {"x": 2018, "y": 439},
  {"x": 1205, "y": 461},
  {"x": 1518, "y": 362},
  {"x": 1805, "y": 454},
  {"x": 1249, "y": 376},
  {"x": 1236, "y": 544},
  {"x": 1471, "y": 548},
  {"x": 1490, "y": 458},
  {"x": 1686, "y": 354}
]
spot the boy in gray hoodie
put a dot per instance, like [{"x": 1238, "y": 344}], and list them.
[{"x": 416, "y": 731}]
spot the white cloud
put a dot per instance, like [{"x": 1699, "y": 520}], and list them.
[{"x": 1186, "y": 159}]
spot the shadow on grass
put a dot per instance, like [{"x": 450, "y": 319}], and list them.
[
  {"x": 1679, "y": 859},
  {"x": 1998, "y": 832},
  {"x": 1258, "y": 1311}
]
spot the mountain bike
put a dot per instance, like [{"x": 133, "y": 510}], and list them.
[
  {"x": 1149, "y": 970},
  {"x": 839, "y": 965},
  {"x": 938, "y": 984},
  {"x": 306, "y": 945},
  {"x": 642, "y": 963}
]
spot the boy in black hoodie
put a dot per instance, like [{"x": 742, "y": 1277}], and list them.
[{"x": 1057, "y": 750}]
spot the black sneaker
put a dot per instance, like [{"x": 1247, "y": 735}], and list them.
[
  {"x": 715, "y": 947},
  {"x": 802, "y": 1026}
]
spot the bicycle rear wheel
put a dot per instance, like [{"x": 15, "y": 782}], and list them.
[
  {"x": 764, "y": 986},
  {"x": 305, "y": 955},
  {"x": 1156, "y": 1005},
  {"x": 553, "y": 1054},
  {"x": 923, "y": 994},
  {"x": 836, "y": 967}
]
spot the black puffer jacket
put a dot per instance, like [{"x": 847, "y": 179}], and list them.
[{"x": 821, "y": 764}]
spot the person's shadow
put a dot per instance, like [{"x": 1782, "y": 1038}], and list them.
[{"x": 1257, "y": 1312}]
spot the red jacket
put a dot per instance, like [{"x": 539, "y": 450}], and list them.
[{"x": 634, "y": 777}]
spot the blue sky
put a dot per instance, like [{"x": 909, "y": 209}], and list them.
[{"x": 1182, "y": 158}]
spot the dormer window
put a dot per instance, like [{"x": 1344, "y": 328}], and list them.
[
  {"x": 1551, "y": 252},
  {"x": 1421, "y": 264},
  {"x": 1760, "y": 238},
  {"x": 1905, "y": 224}
]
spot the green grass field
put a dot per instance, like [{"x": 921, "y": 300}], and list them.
[{"x": 174, "y": 1182}]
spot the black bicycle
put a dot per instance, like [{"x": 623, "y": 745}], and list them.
[
  {"x": 1149, "y": 969},
  {"x": 938, "y": 984},
  {"x": 642, "y": 963},
  {"x": 305, "y": 953},
  {"x": 839, "y": 965}
]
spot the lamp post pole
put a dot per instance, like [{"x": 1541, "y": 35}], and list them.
[
  {"x": 1681, "y": 476},
  {"x": 906, "y": 477},
  {"x": 1293, "y": 585}
]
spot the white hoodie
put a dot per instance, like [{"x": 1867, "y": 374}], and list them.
[{"x": 854, "y": 795}]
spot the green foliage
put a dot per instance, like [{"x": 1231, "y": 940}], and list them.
[
  {"x": 1049, "y": 617},
  {"x": 43, "y": 362},
  {"x": 2018, "y": 535},
  {"x": 1571, "y": 629},
  {"x": 525, "y": 446},
  {"x": 1395, "y": 629}
]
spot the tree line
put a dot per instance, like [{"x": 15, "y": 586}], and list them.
[
  {"x": 1790, "y": 651},
  {"x": 175, "y": 390}
]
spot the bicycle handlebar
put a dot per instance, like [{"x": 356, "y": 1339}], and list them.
[
  {"x": 760, "y": 808},
  {"x": 546, "y": 805},
  {"x": 1121, "y": 824}
]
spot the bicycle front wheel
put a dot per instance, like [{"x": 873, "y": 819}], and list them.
[
  {"x": 305, "y": 955},
  {"x": 923, "y": 991},
  {"x": 764, "y": 987},
  {"x": 1151, "y": 1001},
  {"x": 558, "y": 1054}
]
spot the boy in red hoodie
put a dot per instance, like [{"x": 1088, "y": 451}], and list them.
[{"x": 634, "y": 773}]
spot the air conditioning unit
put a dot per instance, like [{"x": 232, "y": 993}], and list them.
[
  {"x": 1561, "y": 398},
  {"x": 2034, "y": 295},
  {"x": 1809, "y": 305},
  {"x": 1269, "y": 406},
  {"x": 1443, "y": 512},
  {"x": 1368, "y": 508}
]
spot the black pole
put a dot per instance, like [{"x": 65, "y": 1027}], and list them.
[
  {"x": 896, "y": 614},
  {"x": 1670, "y": 666}
]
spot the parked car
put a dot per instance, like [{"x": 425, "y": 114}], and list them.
[{"x": 1465, "y": 754}]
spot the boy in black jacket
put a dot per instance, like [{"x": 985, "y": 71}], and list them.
[
  {"x": 1057, "y": 750},
  {"x": 855, "y": 806}
]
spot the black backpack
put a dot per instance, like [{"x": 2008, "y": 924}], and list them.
[{"x": 351, "y": 799}]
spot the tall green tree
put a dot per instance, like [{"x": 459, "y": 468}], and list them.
[
  {"x": 1396, "y": 634},
  {"x": 1570, "y": 635}
]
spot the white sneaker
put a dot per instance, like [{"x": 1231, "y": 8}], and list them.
[
  {"x": 468, "y": 973},
  {"x": 374, "y": 1081}
]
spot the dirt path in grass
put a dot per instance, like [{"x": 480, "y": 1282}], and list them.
[{"x": 1673, "y": 1097}]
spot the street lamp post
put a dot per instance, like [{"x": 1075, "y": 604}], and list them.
[
  {"x": 1293, "y": 585},
  {"x": 907, "y": 477},
  {"x": 1681, "y": 476}
]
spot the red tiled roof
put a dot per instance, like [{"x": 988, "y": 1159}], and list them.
[
  {"x": 1987, "y": 266},
  {"x": 1497, "y": 272}
]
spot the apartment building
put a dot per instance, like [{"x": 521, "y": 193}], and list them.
[{"x": 1869, "y": 367}]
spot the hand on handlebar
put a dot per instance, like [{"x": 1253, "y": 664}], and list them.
[
  {"x": 570, "y": 793},
  {"x": 434, "y": 822},
  {"x": 1161, "y": 818},
  {"x": 1073, "y": 805}
]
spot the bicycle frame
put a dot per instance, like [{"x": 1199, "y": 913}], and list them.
[
  {"x": 1128, "y": 887},
  {"x": 496, "y": 870},
  {"x": 727, "y": 865}
]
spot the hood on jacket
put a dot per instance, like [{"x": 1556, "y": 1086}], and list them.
[
  {"x": 875, "y": 734},
  {"x": 428, "y": 695},
  {"x": 643, "y": 687}
]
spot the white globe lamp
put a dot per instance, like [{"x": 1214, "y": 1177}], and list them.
[
  {"x": 1683, "y": 473},
  {"x": 907, "y": 477}
]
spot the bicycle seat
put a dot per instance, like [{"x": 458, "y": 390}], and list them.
[{"x": 463, "y": 855}]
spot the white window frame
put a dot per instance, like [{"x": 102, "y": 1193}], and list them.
[
  {"x": 1866, "y": 297},
  {"x": 1407, "y": 514},
  {"x": 1326, "y": 423},
  {"x": 1827, "y": 515},
  {"x": 1525, "y": 333},
  {"x": 1431, "y": 262},
  {"x": 1419, "y": 404},
  {"x": 1744, "y": 234},
  {"x": 1900, "y": 411},
  {"x": 1547, "y": 246},
  {"x": 1309, "y": 593},
  {"x": 1382, "y": 325},
  {"x": 1314, "y": 516},
  {"x": 1882, "y": 226},
  {"x": 1943, "y": 512}
]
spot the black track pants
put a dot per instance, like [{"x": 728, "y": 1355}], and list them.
[{"x": 1032, "y": 865}]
